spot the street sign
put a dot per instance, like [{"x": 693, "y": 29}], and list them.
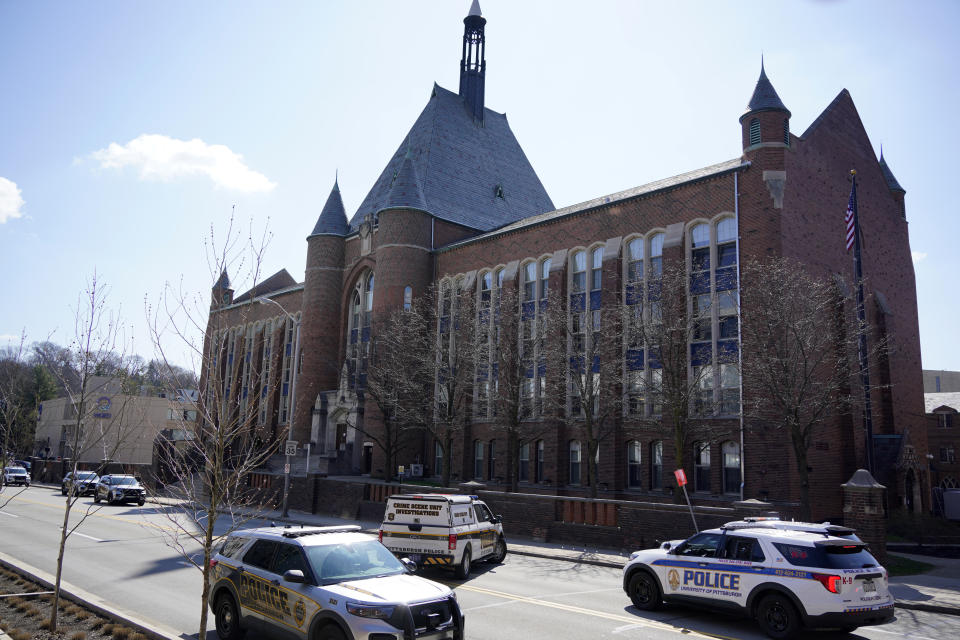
[
  {"x": 681, "y": 477},
  {"x": 291, "y": 448}
]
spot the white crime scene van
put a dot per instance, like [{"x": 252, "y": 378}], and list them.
[{"x": 444, "y": 530}]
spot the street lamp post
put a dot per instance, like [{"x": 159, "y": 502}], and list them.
[{"x": 293, "y": 397}]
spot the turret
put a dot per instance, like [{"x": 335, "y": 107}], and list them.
[
  {"x": 766, "y": 122},
  {"x": 473, "y": 64},
  {"x": 320, "y": 329},
  {"x": 222, "y": 293}
]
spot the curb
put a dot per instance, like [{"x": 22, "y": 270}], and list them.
[
  {"x": 931, "y": 608},
  {"x": 152, "y": 630},
  {"x": 590, "y": 561}
]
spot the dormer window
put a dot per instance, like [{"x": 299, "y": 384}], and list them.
[{"x": 754, "y": 131}]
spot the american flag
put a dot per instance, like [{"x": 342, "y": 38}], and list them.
[{"x": 852, "y": 217}]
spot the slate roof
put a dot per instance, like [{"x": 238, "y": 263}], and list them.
[
  {"x": 460, "y": 163},
  {"x": 634, "y": 192},
  {"x": 764, "y": 97},
  {"x": 223, "y": 282},
  {"x": 333, "y": 217},
  {"x": 933, "y": 401},
  {"x": 406, "y": 191},
  {"x": 280, "y": 280},
  {"x": 889, "y": 177}
]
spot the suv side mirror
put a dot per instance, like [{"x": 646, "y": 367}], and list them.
[
  {"x": 294, "y": 575},
  {"x": 497, "y": 519},
  {"x": 409, "y": 564}
]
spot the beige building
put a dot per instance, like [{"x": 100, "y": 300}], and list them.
[
  {"x": 939, "y": 381},
  {"x": 116, "y": 426}
]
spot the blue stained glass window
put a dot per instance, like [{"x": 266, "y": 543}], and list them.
[
  {"x": 701, "y": 353},
  {"x": 634, "y": 359},
  {"x": 595, "y": 300},
  {"x": 727, "y": 350}
]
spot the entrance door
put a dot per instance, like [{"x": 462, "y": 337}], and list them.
[{"x": 367, "y": 458}]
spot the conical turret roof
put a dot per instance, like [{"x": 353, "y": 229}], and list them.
[
  {"x": 406, "y": 192},
  {"x": 764, "y": 97},
  {"x": 475, "y": 8},
  {"x": 333, "y": 217},
  {"x": 223, "y": 282},
  {"x": 892, "y": 183}
]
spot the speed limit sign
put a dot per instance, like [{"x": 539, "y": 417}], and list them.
[{"x": 291, "y": 448}]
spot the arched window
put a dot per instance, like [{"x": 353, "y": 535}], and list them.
[
  {"x": 478, "y": 459},
  {"x": 714, "y": 309},
  {"x": 407, "y": 297},
  {"x": 539, "y": 469},
  {"x": 523, "y": 458},
  {"x": 287, "y": 367},
  {"x": 656, "y": 464},
  {"x": 596, "y": 269},
  {"x": 633, "y": 295},
  {"x": 358, "y": 336},
  {"x": 633, "y": 464},
  {"x": 584, "y": 318},
  {"x": 701, "y": 466},
  {"x": 578, "y": 264},
  {"x": 731, "y": 467},
  {"x": 265, "y": 370},
  {"x": 754, "y": 131},
  {"x": 574, "y": 462}
]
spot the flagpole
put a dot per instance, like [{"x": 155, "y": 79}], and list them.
[{"x": 862, "y": 327}]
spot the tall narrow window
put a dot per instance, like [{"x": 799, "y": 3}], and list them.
[
  {"x": 484, "y": 352},
  {"x": 731, "y": 467},
  {"x": 578, "y": 281},
  {"x": 786, "y": 131},
  {"x": 437, "y": 459},
  {"x": 478, "y": 459},
  {"x": 574, "y": 462},
  {"x": 656, "y": 464},
  {"x": 528, "y": 338},
  {"x": 596, "y": 269},
  {"x": 539, "y": 469},
  {"x": 523, "y": 458},
  {"x": 358, "y": 336},
  {"x": 407, "y": 297},
  {"x": 265, "y": 371},
  {"x": 492, "y": 460},
  {"x": 245, "y": 377},
  {"x": 701, "y": 466},
  {"x": 286, "y": 375},
  {"x": 633, "y": 464}
]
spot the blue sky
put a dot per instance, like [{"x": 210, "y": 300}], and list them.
[{"x": 128, "y": 130}]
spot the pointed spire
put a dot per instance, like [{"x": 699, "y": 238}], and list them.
[
  {"x": 406, "y": 192},
  {"x": 473, "y": 64},
  {"x": 333, "y": 217},
  {"x": 892, "y": 183},
  {"x": 764, "y": 96},
  {"x": 223, "y": 282}
]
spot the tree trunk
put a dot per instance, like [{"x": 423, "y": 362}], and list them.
[
  {"x": 64, "y": 532},
  {"x": 512, "y": 460},
  {"x": 800, "y": 454},
  {"x": 679, "y": 456},
  {"x": 448, "y": 456}
]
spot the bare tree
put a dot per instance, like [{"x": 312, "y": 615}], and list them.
[
  {"x": 211, "y": 462},
  {"x": 96, "y": 426},
  {"x": 513, "y": 348},
  {"x": 799, "y": 342},
  {"x": 393, "y": 382},
  {"x": 669, "y": 379},
  {"x": 14, "y": 381}
]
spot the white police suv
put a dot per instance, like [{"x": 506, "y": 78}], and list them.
[
  {"x": 325, "y": 583},
  {"x": 785, "y": 579}
]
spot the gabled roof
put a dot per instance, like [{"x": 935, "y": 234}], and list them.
[
  {"x": 473, "y": 174},
  {"x": 333, "y": 217},
  {"x": 280, "y": 280},
  {"x": 888, "y": 175},
  {"x": 764, "y": 97}
]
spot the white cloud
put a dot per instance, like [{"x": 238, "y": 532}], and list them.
[
  {"x": 163, "y": 158},
  {"x": 918, "y": 256},
  {"x": 10, "y": 200}
]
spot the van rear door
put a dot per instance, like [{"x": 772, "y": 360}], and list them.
[{"x": 417, "y": 526}]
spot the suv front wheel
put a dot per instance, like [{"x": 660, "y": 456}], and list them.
[
  {"x": 777, "y": 616},
  {"x": 227, "y": 618},
  {"x": 644, "y": 591}
]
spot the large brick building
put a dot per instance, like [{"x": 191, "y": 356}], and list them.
[{"x": 459, "y": 199}]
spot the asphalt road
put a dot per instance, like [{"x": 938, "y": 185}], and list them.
[{"x": 122, "y": 554}]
